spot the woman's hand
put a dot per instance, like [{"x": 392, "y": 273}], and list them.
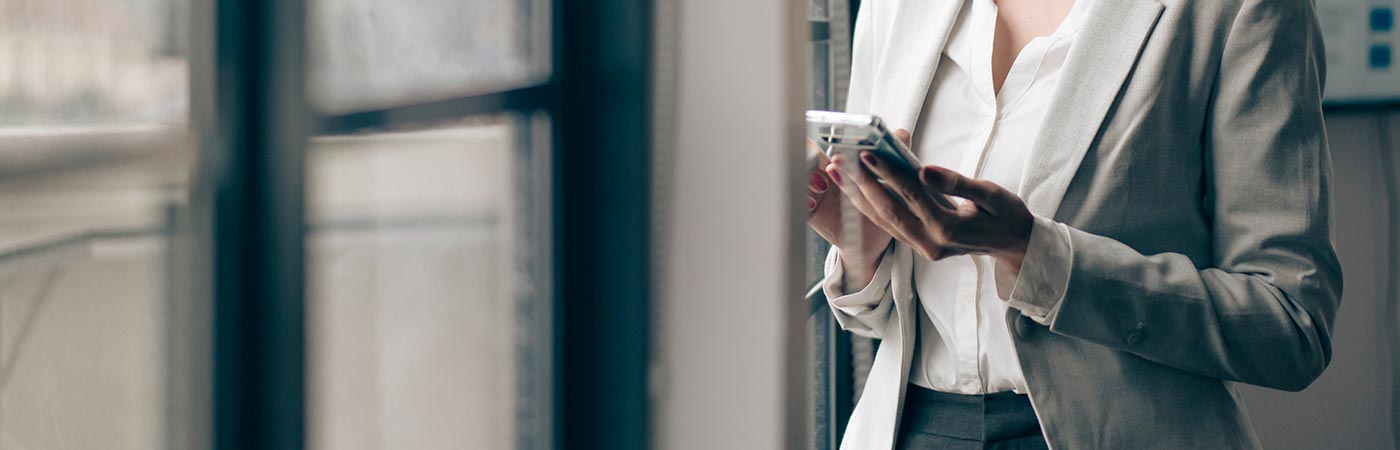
[
  {"x": 859, "y": 255},
  {"x": 991, "y": 220}
]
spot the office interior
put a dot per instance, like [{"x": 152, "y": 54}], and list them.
[{"x": 497, "y": 224}]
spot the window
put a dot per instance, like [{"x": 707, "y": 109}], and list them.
[
  {"x": 425, "y": 284},
  {"x": 428, "y": 275},
  {"x": 382, "y": 53},
  {"x": 323, "y": 223},
  {"x": 839, "y": 360},
  {"x": 94, "y": 154}
]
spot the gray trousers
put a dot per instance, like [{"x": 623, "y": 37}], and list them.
[{"x": 940, "y": 421}]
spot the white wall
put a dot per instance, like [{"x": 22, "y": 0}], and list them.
[
  {"x": 729, "y": 228},
  {"x": 1349, "y": 406}
]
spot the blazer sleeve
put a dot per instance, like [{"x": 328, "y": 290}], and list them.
[{"x": 1262, "y": 312}]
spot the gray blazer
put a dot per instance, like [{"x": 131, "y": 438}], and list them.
[{"x": 1185, "y": 150}]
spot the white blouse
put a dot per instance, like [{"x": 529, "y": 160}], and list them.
[{"x": 964, "y": 345}]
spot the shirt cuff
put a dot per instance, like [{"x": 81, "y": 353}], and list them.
[
  {"x": 1045, "y": 271},
  {"x": 864, "y": 300}
]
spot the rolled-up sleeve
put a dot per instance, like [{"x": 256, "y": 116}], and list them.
[{"x": 866, "y": 310}]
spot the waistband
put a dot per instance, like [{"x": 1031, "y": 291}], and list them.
[{"x": 988, "y": 417}]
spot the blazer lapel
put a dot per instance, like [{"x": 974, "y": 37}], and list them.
[
  {"x": 1104, "y": 54},
  {"x": 916, "y": 38}
]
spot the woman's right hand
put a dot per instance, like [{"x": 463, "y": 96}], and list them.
[{"x": 860, "y": 253}]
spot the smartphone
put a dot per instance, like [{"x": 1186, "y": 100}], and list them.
[{"x": 849, "y": 134}]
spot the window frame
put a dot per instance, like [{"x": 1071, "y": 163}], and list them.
[
  {"x": 250, "y": 106},
  {"x": 838, "y": 357}
]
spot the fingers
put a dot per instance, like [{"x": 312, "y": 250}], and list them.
[
  {"x": 910, "y": 190},
  {"x": 816, "y": 151},
  {"x": 886, "y": 207},
  {"x": 841, "y": 172},
  {"x": 818, "y": 182},
  {"x": 903, "y": 136},
  {"x": 817, "y": 185},
  {"x": 982, "y": 193},
  {"x": 873, "y": 201}
]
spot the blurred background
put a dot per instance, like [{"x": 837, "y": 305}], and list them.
[{"x": 496, "y": 224}]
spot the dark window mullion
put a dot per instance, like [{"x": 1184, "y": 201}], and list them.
[
  {"x": 602, "y": 170},
  {"x": 257, "y": 213},
  {"x": 439, "y": 111}
]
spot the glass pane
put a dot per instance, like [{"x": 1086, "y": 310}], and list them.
[
  {"x": 426, "y": 284},
  {"x": 821, "y": 76},
  {"x": 377, "y": 53},
  {"x": 818, "y": 10},
  {"x": 96, "y": 345},
  {"x": 83, "y": 315},
  {"x": 70, "y": 62}
]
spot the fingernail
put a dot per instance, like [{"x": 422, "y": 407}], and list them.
[
  {"x": 835, "y": 175},
  {"x": 811, "y": 203},
  {"x": 870, "y": 159},
  {"x": 928, "y": 175},
  {"x": 818, "y": 183}
]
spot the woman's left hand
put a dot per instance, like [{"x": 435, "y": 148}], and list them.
[{"x": 992, "y": 220}]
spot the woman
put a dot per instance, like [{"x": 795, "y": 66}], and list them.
[{"x": 1142, "y": 221}]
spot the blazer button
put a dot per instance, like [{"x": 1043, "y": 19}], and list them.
[
  {"x": 1135, "y": 337},
  {"x": 1023, "y": 327}
]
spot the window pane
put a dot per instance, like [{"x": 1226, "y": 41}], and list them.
[
  {"x": 821, "y": 76},
  {"x": 95, "y": 343},
  {"x": 377, "y": 53},
  {"x": 426, "y": 286},
  {"x": 818, "y": 10},
  {"x": 71, "y": 62},
  {"x": 90, "y": 341}
]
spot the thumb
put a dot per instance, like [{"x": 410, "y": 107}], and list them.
[{"x": 902, "y": 135}]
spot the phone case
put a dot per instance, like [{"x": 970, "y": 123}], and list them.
[{"x": 849, "y": 134}]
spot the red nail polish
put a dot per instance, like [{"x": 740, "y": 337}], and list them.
[
  {"x": 818, "y": 182},
  {"x": 811, "y": 203},
  {"x": 835, "y": 175},
  {"x": 870, "y": 159}
]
